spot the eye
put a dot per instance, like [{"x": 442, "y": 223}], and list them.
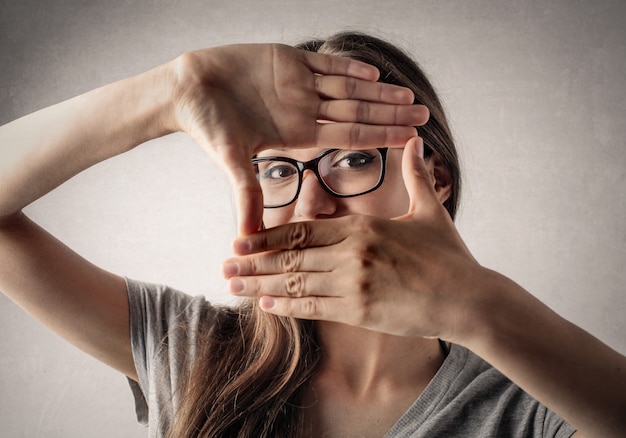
[
  {"x": 278, "y": 171},
  {"x": 353, "y": 159}
]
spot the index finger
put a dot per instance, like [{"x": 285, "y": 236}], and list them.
[
  {"x": 340, "y": 65},
  {"x": 249, "y": 197},
  {"x": 291, "y": 236}
]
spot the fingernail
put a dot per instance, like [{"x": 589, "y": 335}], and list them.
[
  {"x": 267, "y": 303},
  {"x": 230, "y": 269},
  {"x": 241, "y": 246},
  {"x": 237, "y": 285}
]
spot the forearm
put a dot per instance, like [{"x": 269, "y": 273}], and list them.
[
  {"x": 79, "y": 301},
  {"x": 558, "y": 363},
  {"x": 44, "y": 149}
]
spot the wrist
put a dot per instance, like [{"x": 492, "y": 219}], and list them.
[
  {"x": 502, "y": 316},
  {"x": 489, "y": 300},
  {"x": 129, "y": 112},
  {"x": 155, "y": 101},
  {"x": 188, "y": 78}
]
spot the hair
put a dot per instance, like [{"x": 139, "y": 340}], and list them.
[
  {"x": 254, "y": 366},
  {"x": 396, "y": 67}
]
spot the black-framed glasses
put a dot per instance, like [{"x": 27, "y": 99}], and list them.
[{"x": 342, "y": 172}]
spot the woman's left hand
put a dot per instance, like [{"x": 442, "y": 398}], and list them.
[
  {"x": 414, "y": 276},
  {"x": 408, "y": 276}
]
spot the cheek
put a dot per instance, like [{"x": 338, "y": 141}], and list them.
[
  {"x": 273, "y": 217},
  {"x": 392, "y": 196},
  {"x": 392, "y": 199},
  {"x": 389, "y": 201}
]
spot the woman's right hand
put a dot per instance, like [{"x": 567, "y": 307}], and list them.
[
  {"x": 237, "y": 100},
  {"x": 234, "y": 101}
]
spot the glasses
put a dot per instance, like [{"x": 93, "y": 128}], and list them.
[{"x": 342, "y": 172}]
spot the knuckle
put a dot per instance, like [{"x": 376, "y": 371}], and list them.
[
  {"x": 318, "y": 83},
  {"x": 324, "y": 108},
  {"x": 386, "y": 136},
  {"x": 365, "y": 248},
  {"x": 364, "y": 255},
  {"x": 362, "y": 112},
  {"x": 329, "y": 62},
  {"x": 251, "y": 266},
  {"x": 309, "y": 308},
  {"x": 260, "y": 242},
  {"x": 351, "y": 86},
  {"x": 397, "y": 116},
  {"x": 354, "y": 135},
  {"x": 381, "y": 92},
  {"x": 295, "y": 285},
  {"x": 299, "y": 235},
  {"x": 366, "y": 303},
  {"x": 365, "y": 262},
  {"x": 364, "y": 288},
  {"x": 363, "y": 223},
  {"x": 290, "y": 261}
]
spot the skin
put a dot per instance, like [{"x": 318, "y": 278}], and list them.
[
  {"x": 364, "y": 390},
  {"x": 411, "y": 278},
  {"x": 234, "y": 101}
]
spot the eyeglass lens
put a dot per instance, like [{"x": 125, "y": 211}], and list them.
[{"x": 342, "y": 172}]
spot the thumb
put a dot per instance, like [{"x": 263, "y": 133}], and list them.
[
  {"x": 249, "y": 198},
  {"x": 417, "y": 179}
]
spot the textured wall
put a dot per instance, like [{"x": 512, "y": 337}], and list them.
[{"x": 536, "y": 92}]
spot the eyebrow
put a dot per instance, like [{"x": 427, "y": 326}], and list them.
[
  {"x": 270, "y": 151},
  {"x": 276, "y": 149}
]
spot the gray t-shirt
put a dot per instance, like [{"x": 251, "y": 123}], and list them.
[{"x": 466, "y": 398}]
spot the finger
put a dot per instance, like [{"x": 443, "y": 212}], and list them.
[
  {"x": 361, "y": 136},
  {"x": 292, "y": 236},
  {"x": 312, "y": 308},
  {"x": 342, "y": 87},
  {"x": 339, "y": 65},
  {"x": 249, "y": 197},
  {"x": 417, "y": 179},
  {"x": 291, "y": 285},
  {"x": 277, "y": 262},
  {"x": 373, "y": 113}
]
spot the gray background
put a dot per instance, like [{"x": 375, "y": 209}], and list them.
[{"x": 536, "y": 92}]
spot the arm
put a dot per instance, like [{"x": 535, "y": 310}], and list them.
[
  {"x": 558, "y": 363},
  {"x": 80, "y": 302},
  {"x": 232, "y": 100},
  {"x": 414, "y": 276}
]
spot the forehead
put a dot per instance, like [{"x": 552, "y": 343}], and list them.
[
  {"x": 298, "y": 154},
  {"x": 304, "y": 154}
]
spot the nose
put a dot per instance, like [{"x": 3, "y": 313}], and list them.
[{"x": 313, "y": 201}]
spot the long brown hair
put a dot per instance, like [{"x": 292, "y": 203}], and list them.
[{"x": 251, "y": 366}]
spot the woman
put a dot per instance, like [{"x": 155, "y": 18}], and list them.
[{"x": 369, "y": 322}]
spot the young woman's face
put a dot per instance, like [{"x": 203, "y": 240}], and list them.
[{"x": 389, "y": 200}]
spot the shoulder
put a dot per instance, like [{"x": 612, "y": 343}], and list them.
[
  {"x": 506, "y": 405},
  {"x": 164, "y": 303},
  {"x": 166, "y": 326},
  {"x": 164, "y": 317},
  {"x": 469, "y": 397}
]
